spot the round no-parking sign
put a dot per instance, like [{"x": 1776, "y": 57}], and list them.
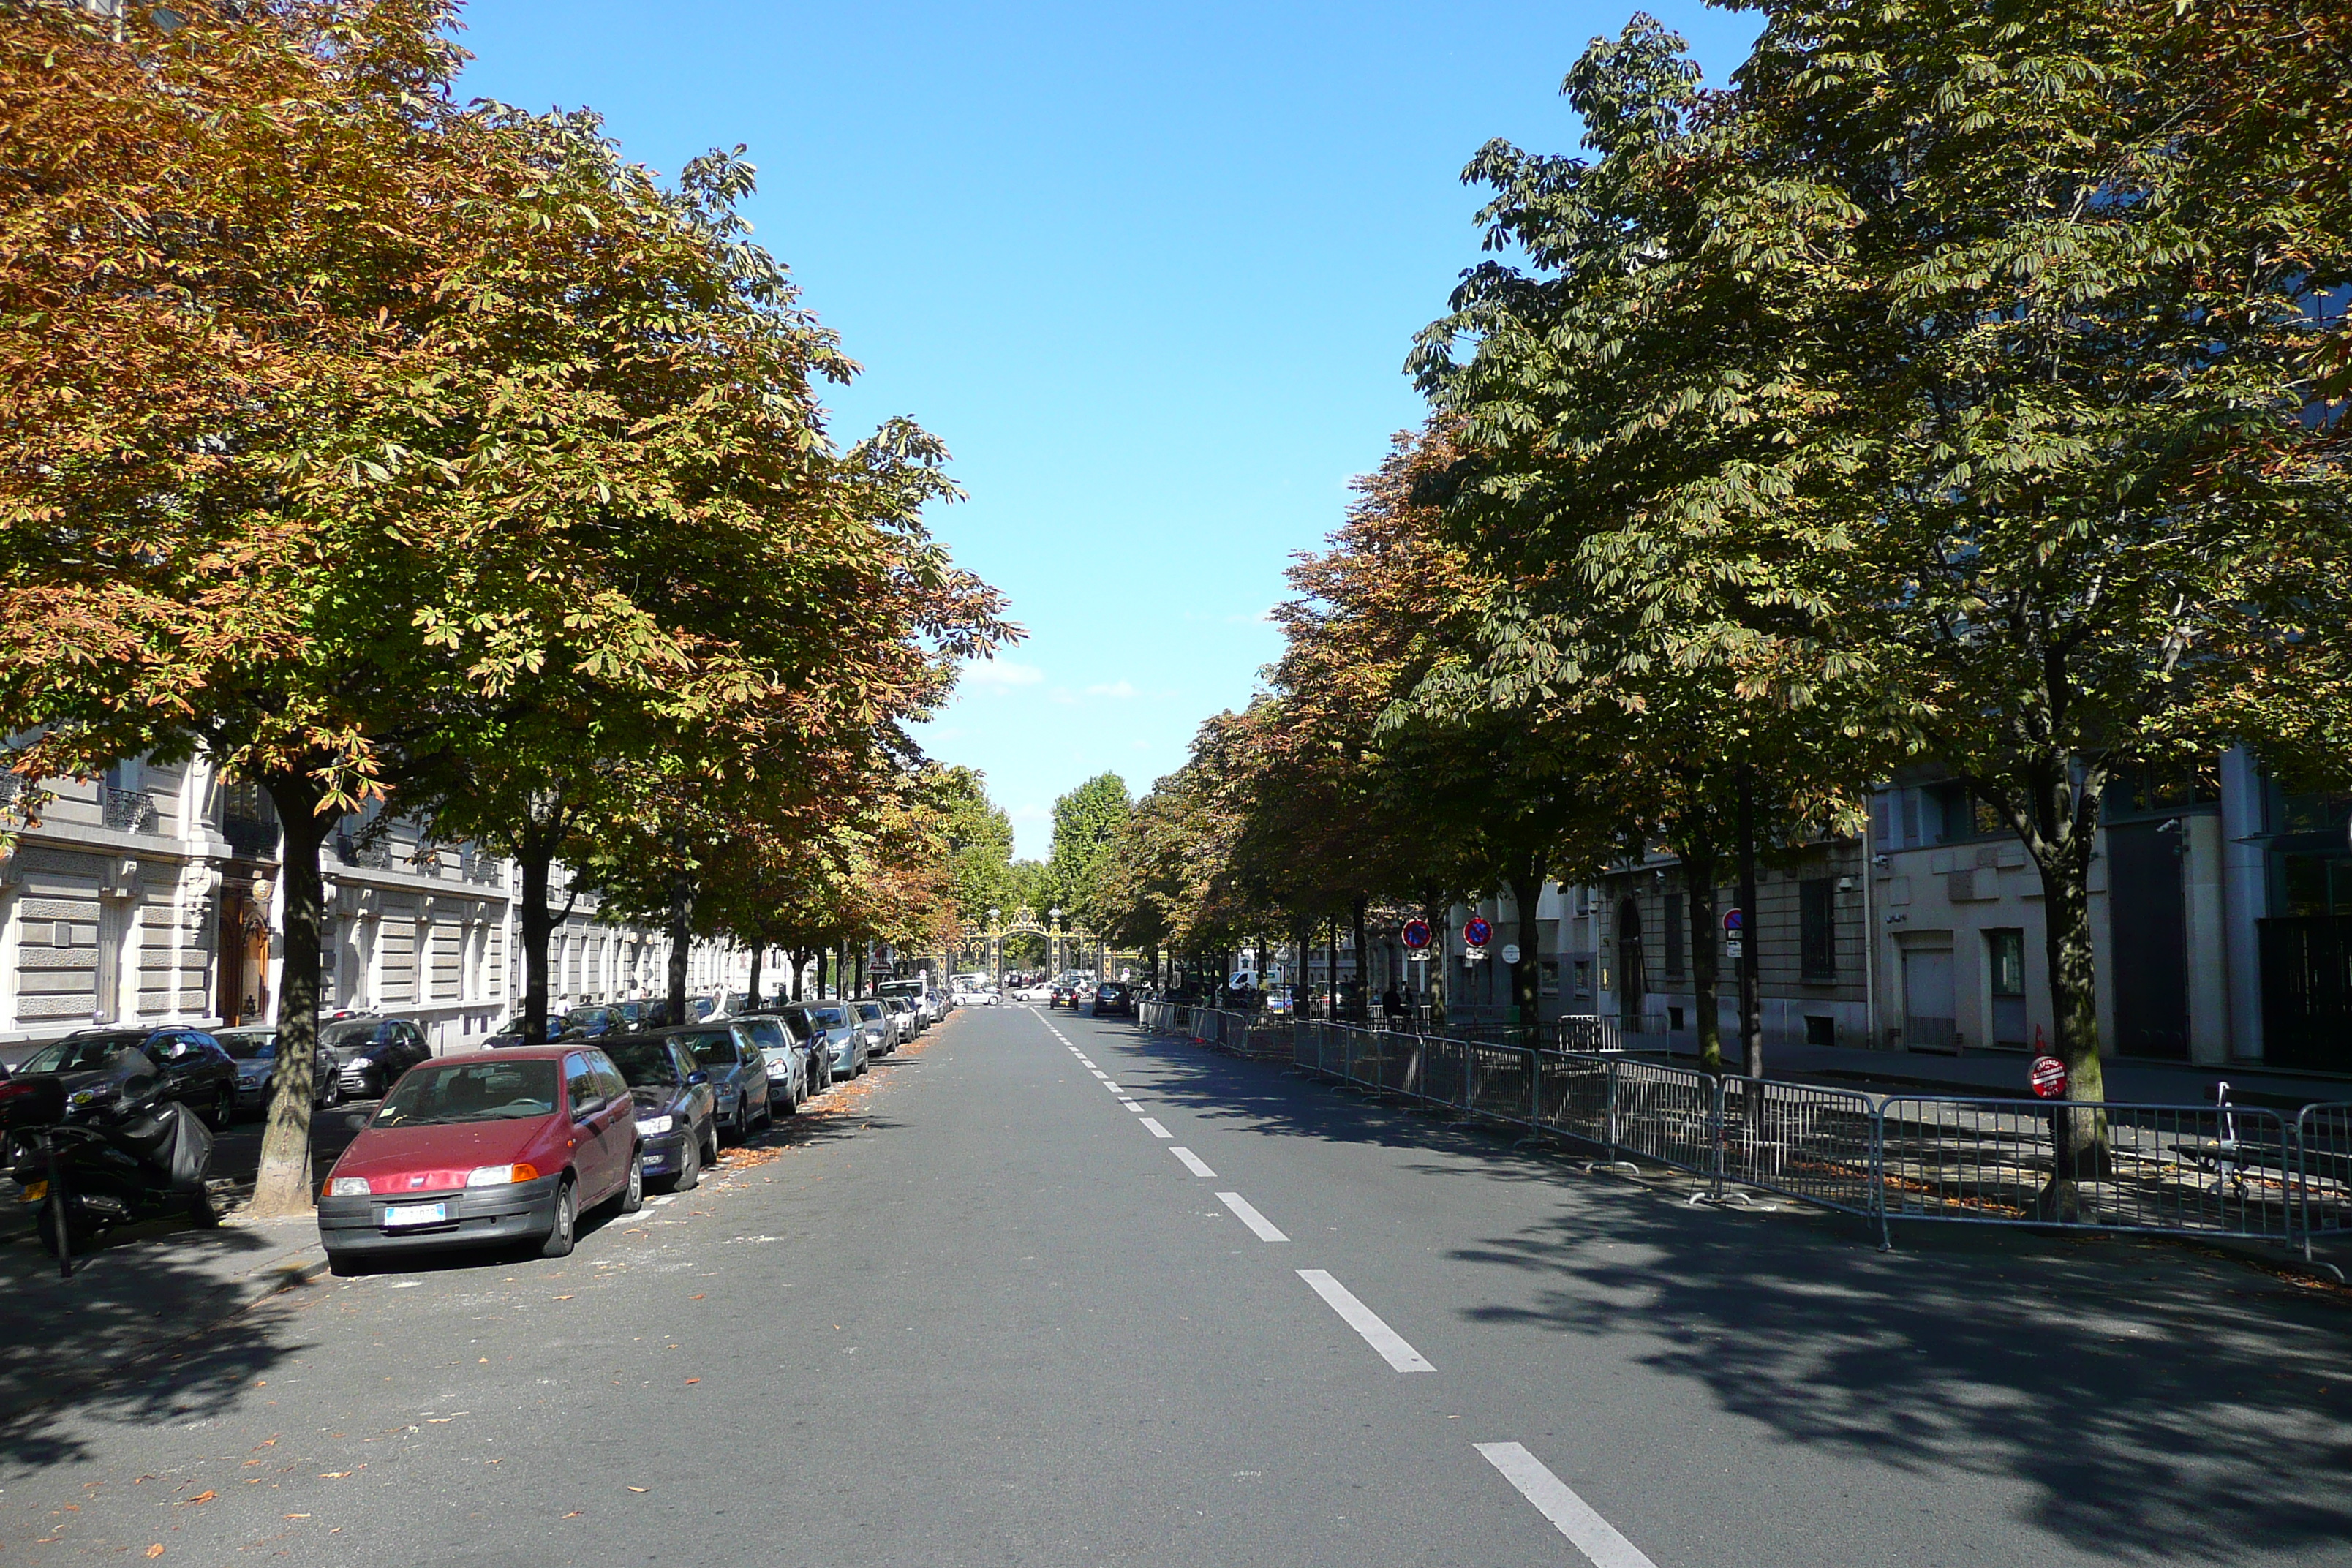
[
  {"x": 1477, "y": 932},
  {"x": 1416, "y": 934},
  {"x": 2048, "y": 1077}
]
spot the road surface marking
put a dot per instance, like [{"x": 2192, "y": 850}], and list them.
[
  {"x": 1571, "y": 1514},
  {"x": 1191, "y": 1161},
  {"x": 1112, "y": 1087},
  {"x": 1251, "y": 1217},
  {"x": 1098, "y": 1072},
  {"x": 1131, "y": 1105},
  {"x": 1366, "y": 1323},
  {"x": 1157, "y": 1131}
]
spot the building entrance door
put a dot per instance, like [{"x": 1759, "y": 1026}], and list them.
[
  {"x": 2148, "y": 916},
  {"x": 1929, "y": 1014}
]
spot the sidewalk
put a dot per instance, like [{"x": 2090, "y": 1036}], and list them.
[{"x": 2002, "y": 1074}]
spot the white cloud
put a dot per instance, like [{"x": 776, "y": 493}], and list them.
[
  {"x": 1063, "y": 695},
  {"x": 1119, "y": 689},
  {"x": 999, "y": 674},
  {"x": 1030, "y": 814}
]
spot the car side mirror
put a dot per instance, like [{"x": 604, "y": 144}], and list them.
[
  {"x": 588, "y": 1108},
  {"x": 697, "y": 1078}
]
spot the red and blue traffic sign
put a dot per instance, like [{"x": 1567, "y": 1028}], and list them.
[
  {"x": 1475, "y": 931},
  {"x": 1416, "y": 934}
]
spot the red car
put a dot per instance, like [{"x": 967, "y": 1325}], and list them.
[{"x": 497, "y": 1148}]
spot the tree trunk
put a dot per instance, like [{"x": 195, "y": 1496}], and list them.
[
  {"x": 1363, "y": 961},
  {"x": 1751, "y": 977},
  {"x": 1707, "y": 1003},
  {"x": 1433, "y": 972},
  {"x": 759, "y": 954},
  {"x": 536, "y": 923},
  {"x": 1527, "y": 879},
  {"x": 283, "y": 1186},
  {"x": 859, "y": 957},
  {"x": 1332, "y": 959},
  {"x": 681, "y": 933}
]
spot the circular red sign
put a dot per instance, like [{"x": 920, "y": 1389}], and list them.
[
  {"x": 2048, "y": 1077},
  {"x": 1733, "y": 920},
  {"x": 1477, "y": 932},
  {"x": 1416, "y": 934}
]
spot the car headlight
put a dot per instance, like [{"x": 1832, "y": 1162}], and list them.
[
  {"x": 348, "y": 1187},
  {"x": 91, "y": 1096},
  {"x": 501, "y": 1175},
  {"x": 655, "y": 1126}
]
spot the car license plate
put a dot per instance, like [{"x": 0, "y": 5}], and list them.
[{"x": 414, "y": 1214}]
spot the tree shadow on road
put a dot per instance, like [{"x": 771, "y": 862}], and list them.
[{"x": 2161, "y": 1402}]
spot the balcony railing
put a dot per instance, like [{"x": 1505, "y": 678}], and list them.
[
  {"x": 250, "y": 839},
  {"x": 128, "y": 810},
  {"x": 373, "y": 853}
]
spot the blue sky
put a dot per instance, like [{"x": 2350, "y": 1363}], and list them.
[{"x": 1152, "y": 273}]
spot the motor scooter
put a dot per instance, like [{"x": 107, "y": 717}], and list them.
[{"x": 113, "y": 1159}]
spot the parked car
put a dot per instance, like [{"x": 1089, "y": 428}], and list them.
[
  {"x": 904, "y": 1017},
  {"x": 874, "y": 1021},
  {"x": 634, "y": 1015},
  {"x": 785, "y": 1056},
  {"x": 677, "y": 1111},
  {"x": 739, "y": 1073},
  {"x": 374, "y": 1052},
  {"x": 592, "y": 1023},
  {"x": 93, "y": 1066},
  {"x": 1113, "y": 999},
  {"x": 255, "y": 1051},
  {"x": 930, "y": 1006},
  {"x": 726, "y": 1005},
  {"x": 512, "y": 1033},
  {"x": 844, "y": 1041},
  {"x": 484, "y": 1149}
]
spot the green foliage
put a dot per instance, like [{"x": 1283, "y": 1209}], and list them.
[{"x": 1088, "y": 822}]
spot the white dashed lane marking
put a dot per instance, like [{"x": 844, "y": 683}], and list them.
[
  {"x": 1365, "y": 1321},
  {"x": 1249, "y": 1216},
  {"x": 1151, "y": 1125},
  {"x": 1571, "y": 1514},
  {"x": 1193, "y": 1161}
]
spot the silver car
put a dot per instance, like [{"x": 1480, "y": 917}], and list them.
[
  {"x": 878, "y": 1026},
  {"x": 843, "y": 1038},
  {"x": 256, "y": 1053},
  {"x": 907, "y": 1015}
]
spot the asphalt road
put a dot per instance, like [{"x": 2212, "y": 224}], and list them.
[{"x": 987, "y": 1313}]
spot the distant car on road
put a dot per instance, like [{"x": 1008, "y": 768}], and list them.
[
  {"x": 843, "y": 1037},
  {"x": 594, "y": 1023},
  {"x": 905, "y": 1016},
  {"x": 874, "y": 1022},
  {"x": 1113, "y": 999},
  {"x": 92, "y": 1065}
]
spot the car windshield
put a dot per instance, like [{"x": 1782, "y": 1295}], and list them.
[
  {"x": 249, "y": 1045},
  {"x": 768, "y": 1034},
  {"x": 645, "y": 1063},
  {"x": 475, "y": 1091},
  {"x": 586, "y": 1018},
  {"x": 90, "y": 1053},
  {"x": 711, "y": 1048},
  {"x": 795, "y": 1022},
  {"x": 830, "y": 1017},
  {"x": 348, "y": 1036}
]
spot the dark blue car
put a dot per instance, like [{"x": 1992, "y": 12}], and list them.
[{"x": 678, "y": 1122}]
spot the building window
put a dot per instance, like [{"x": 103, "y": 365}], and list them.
[
  {"x": 1817, "y": 927},
  {"x": 1583, "y": 972},
  {"x": 2005, "y": 966},
  {"x": 1674, "y": 935},
  {"x": 1820, "y": 1029}
]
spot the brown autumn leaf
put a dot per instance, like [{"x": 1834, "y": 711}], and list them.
[
  {"x": 573, "y": 1514},
  {"x": 694, "y": 1380},
  {"x": 695, "y": 1298},
  {"x": 156, "y": 1550},
  {"x": 640, "y": 1489},
  {"x": 200, "y": 1496}
]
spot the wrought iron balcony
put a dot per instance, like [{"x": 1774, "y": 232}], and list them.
[
  {"x": 373, "y": 853},
  {"x": 250, "y": 839}
]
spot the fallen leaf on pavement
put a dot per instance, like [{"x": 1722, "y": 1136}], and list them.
[
  {"x": 297, "y": 1516},
  {"x": 573, "y": 1514},
  {"x": 563, "y": 1298},
  {"x": 200, "y": 1496},
  {"x": 156, "y": 1550},
  {"x": 694, "y": 1380},
  {"x": 640, "y": 1489}
]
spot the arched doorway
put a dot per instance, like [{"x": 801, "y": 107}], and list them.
[{"x": 1632, "y": 979}]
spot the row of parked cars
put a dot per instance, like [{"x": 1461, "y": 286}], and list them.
[{"x": 513, "y": 1144}]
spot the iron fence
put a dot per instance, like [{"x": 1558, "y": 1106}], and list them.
[{"x": 2230, "y": 1171}]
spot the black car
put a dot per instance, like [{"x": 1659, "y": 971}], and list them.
[
  {"x": 1113, "y": 999},
  {"x": 635, "y": 1016},
  {"x": 737, "y": 1069},
  {"x": 374, "y": 1052},
  {"x": 678, "y": 1122},
  {"x": 93, "y": 1065},
  {"x": 513, "y": 1033},
  {"x": 592, "y": 1023}
]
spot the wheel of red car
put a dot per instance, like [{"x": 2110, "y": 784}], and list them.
[{"x": 559, "y": 1235}]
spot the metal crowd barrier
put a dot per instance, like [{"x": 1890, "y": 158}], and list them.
[{"x": 2239, "y": 1172}]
